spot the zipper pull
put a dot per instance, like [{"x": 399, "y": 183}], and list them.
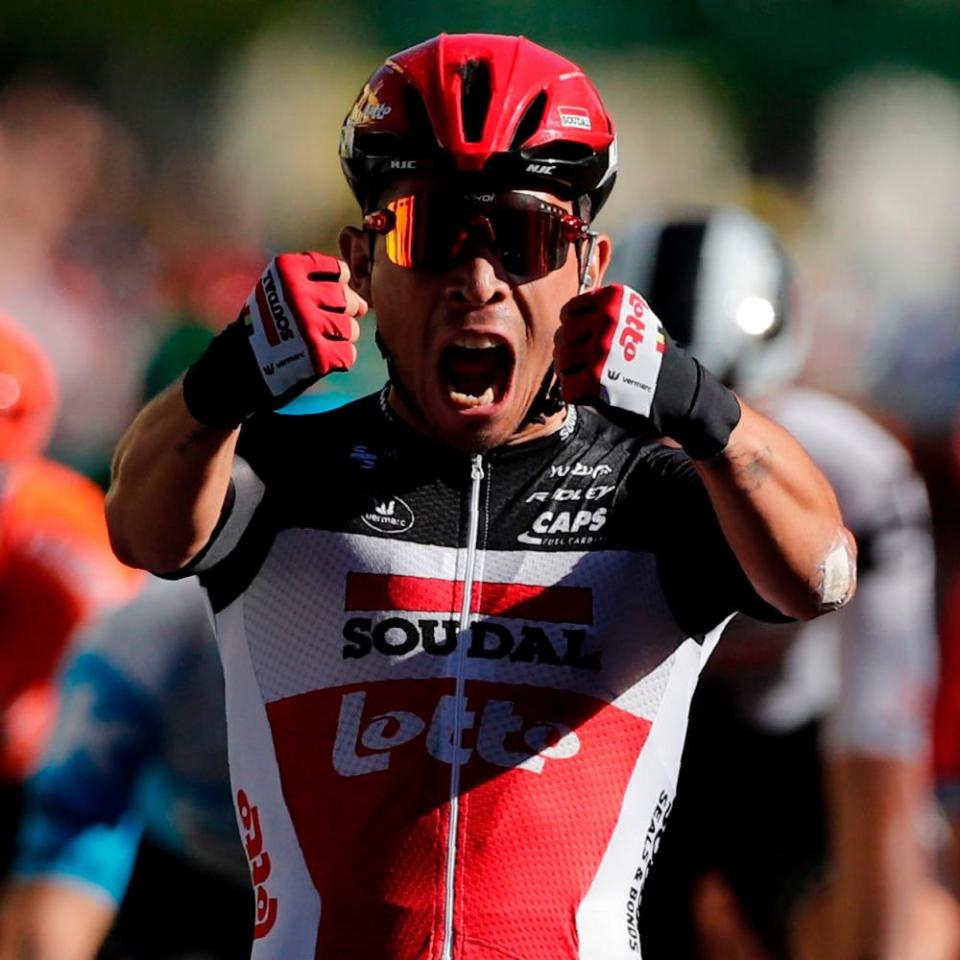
[{"x": 476, "y": 467}]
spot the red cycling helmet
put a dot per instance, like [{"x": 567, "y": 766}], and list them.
[
  {"x": 28, "y": 393},
  {"x": 501, "y": 110}
]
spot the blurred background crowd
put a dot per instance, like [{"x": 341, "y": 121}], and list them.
[{"x": 152, "y": 159}]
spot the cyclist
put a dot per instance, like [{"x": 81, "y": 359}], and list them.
[
  {"x": 825, "y": 727},
  {"x": 136, "y": 773},
  {"x": 461, "y": 620},
  {"x": 56, "y": 566}
]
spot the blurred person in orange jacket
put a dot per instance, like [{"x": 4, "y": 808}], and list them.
[{"x": 56, "y": 565}]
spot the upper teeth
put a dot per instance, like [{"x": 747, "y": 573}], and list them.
[{"x": 476, "y": 341}]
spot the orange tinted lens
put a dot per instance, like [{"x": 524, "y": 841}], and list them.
[
  {"x": 399, "y": 241},
  {"x": 429, "y": 232}
]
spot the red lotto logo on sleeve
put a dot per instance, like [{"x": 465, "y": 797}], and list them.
[{"x": 633, "y": 365}]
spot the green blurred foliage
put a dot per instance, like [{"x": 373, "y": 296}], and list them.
[{"x": 773, "y": 57}]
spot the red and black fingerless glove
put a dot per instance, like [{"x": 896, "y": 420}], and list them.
[
  {"x": 612, "y": 352},
  {"x": 294, "y": 328}
]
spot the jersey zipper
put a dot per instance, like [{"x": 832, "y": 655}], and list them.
[{"x": 459, "y": 700}]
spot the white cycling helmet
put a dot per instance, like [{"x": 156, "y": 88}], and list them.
[{"x": 719, "y": 281}]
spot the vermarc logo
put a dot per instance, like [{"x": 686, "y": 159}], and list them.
[{"x": 391, "y": 515}]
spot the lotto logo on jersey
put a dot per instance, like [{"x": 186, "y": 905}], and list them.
[
  {"x": 259, "y": 860},
  {"x": 366, "y": 739}
]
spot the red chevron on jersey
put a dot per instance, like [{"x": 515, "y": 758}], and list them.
[{"x": 366, "y": 591}]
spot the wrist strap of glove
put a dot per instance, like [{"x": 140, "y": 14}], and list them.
[
  {"x": 224, "y": 387},
  {"x": 710, "y": 411}
]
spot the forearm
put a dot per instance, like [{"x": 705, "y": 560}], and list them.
[
  {"x": 170, "y": 479},
  {"x": 878, "y": 865},
  {"x": 53, "y": 920},
  {"x": 781, "y": 518}
]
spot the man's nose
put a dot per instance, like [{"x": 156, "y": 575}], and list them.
[{"x": 477, "y": 277}]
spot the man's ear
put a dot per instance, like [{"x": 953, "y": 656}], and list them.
[
  {"x": 355, "y": 250},
  {"x": 601, "y": 260}
]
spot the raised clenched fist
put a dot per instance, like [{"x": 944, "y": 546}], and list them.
[
  {"x": 298, "y": 324},
  {"x": 611, "y": 351}
]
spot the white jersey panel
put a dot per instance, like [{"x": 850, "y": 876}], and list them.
[
  {"x": 363, "y": 625},
  {"x": 287, "y": 906},
  {"x": 608, "y": 917}
]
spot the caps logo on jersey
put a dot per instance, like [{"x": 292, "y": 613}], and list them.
[{"x": 391, "y": 515}]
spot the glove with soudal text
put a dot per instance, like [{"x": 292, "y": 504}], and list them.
[
  {"x": 613, "y": 353},
  {"x": 298, "y": 325}
]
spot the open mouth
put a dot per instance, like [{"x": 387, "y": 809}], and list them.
[{"x": 476, "y": 370}]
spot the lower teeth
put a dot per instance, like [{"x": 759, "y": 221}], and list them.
[{"x": 468, "y": 400}]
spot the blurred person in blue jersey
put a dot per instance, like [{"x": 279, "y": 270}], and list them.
[
  {"x": 823, "y": 729},
  {"x": 129, "y": 847},
  {"x": 57, "y": 569}
]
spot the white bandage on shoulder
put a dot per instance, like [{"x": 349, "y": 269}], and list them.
[{"x": 838, "y": 574}]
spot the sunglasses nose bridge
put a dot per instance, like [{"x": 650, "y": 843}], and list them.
[
  {"x": 477, "y": 227},
  {"x": 481, "y": 224}
]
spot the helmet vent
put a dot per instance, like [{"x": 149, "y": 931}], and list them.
[
  {"x": 530, "y": 122},
  {"x": 566, "y": 151},
  {"x": 474, "y": 98},
  {"x": 420, "y": 129}
]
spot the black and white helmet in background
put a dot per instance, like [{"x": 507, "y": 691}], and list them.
[{"x": 720, "y": 282}]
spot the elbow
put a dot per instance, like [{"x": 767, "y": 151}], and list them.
[
  {"x": 120, "y": 541},
  {"x": 132, "y": 544},
  {"x": 835, "y": 581}
]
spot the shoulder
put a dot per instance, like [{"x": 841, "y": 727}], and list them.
[
  {"x": 296, "y": 435},
  {"x": 55, "y": 516},
  {"x": 867, "y": 465},
  {"x": 147, "y": 647},
  {"x": 41, "y": 487},
  {"x": 838, "y": 433}
]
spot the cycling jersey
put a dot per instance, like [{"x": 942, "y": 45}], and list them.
[
  {"x": 774, "y": 698},
  {"x": 56, "y": 570},
  {"x": 457, "y": 685},
  {"x": 871, "y": 669},
  {"x": 139, "y": 744},
  {"x": 946, "y": 730}
]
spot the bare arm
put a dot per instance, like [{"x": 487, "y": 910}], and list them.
[
  {"x": 169, "y": 481},
  {"x": 52, "y": 920},
  {"x": 780, "y": 516},
  {"x": 171, "y": 471}
]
